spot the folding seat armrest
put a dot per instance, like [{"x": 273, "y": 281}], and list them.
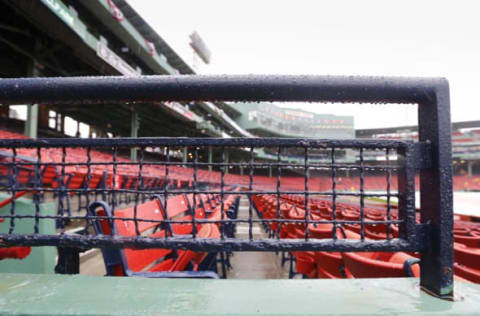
[
  {"x": 407, "y": 266},
  {"x": 178, "y": 275},
  {"x": 91, "y": 210},
  {"x": 230, "y": 214},
  {"x": 112, "y": 257}
]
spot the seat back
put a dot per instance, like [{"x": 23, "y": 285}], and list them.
[
  {"x": 180, "y": 208},
  {"x": 177, "y": 205},
  {"x": 197, "y": 206}
]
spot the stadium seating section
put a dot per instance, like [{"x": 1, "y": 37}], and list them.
[
  {"x": 157, "y": 262},
  {"x": 362, "y": 264}
]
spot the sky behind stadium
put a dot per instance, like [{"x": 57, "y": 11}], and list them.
[{"x": 343, "y": 37}]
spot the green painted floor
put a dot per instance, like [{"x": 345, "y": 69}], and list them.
[{"x": 34, "y": 294}]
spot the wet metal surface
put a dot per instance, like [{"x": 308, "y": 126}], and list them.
[{"x": 432, "y": 237}]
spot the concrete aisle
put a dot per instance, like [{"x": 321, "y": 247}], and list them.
[
  {"x": 254, "y": 265},
  {"x": 92, "y": 263}
]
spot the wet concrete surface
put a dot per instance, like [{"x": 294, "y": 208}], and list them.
[
  {"x": 257, "y": 265},
  {"x": 254, "y": 265},
  {"x": 93, "y": 265}
]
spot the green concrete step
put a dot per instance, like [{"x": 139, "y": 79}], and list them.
[{"x": 34, "y": 294}]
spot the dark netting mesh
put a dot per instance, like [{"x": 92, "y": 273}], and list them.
[{"x": 307, "y": 196}]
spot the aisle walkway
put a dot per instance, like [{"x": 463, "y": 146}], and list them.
[{"x": 254, "y": 265}]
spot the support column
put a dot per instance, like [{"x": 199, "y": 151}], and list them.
[
  {"x": 210, "y": 158},
  {"x": 60, "y": 123},
  {"x": 469, "y": 168},
  {"x": 31, "y": 123},
  {"x": 226, "y": 161},
  {"x": 134, "y": 126},
  {"x": 185, "y": 152},
  {"x": 270, "y": 171}
]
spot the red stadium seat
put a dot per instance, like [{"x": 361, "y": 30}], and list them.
[{"x": 380, "y": 264}]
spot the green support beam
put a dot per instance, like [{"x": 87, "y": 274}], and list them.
[
  {"x": 226, "y": 160},
  {"x": 134, "y": 126},
  {"x": 31, "y": 122},
  {"x": 210, "y": 158},
  {"x": 185, "y": 152}
]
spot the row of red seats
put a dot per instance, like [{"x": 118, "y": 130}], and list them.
[
  {"x": 179, "y": 175},
  {"x": 77, "y": 174},
  {"x": 465, "y": 183},
  {"x": 362, "y": 264},
  {"x": 379, "y": 183},
  {"x": 467, "y": 250}
]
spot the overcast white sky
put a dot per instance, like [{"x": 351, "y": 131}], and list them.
[{"x": 342, "y": 37}]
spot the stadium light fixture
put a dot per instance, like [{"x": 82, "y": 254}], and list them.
[{"x": 200, "y": 47}]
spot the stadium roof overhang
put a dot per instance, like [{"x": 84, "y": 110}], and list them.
[
  {"x": 138, "y": 36},
  {"x": 148, "y": 33},
  {"x": 369, "y": 132},
  {"x": 52, "y": 19}
]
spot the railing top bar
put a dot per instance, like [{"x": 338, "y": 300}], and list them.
[
  {"x": 105, "y": 90},
  {"x": 214, "y": 142},
  {"x": 211, "y": 244}
]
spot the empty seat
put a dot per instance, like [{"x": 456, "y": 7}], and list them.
[{"x": 381, "y": 264}]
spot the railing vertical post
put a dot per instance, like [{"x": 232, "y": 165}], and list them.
[
  {"x": 68, "y": 260},
  {"x": 406, "y": 190},
  {"x": 31, "y": 122},
  {"x": 134, "y": 126},
  {"x": 436, "y": 193},
  {"x": 210, "y": 158}
]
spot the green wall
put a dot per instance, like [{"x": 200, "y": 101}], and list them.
[{"x": 41, "y": 259}]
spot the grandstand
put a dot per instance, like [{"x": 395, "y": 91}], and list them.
[
  {"x": 269, "y": 120},
  {"x": 465, "y": 149},
  {"x": 124, "y": 181}
]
